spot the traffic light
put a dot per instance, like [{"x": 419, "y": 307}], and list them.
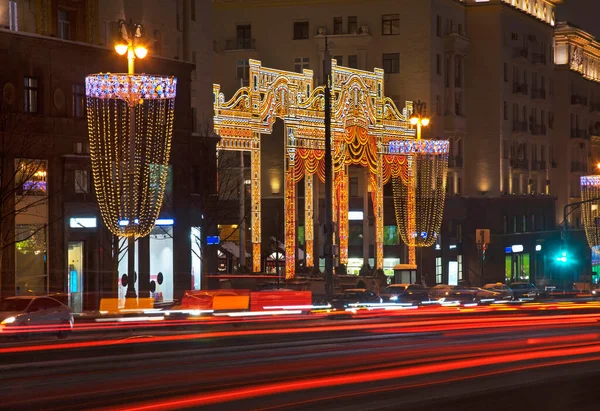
[{"x": 562, "y": 257}]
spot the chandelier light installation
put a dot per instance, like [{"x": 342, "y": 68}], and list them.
[
  {"x": 130, "y": 125},
  {"x": 590, "y": 208},
  {"x": 420, "y": 191}
]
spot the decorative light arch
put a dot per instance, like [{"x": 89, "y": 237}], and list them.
[{"x": 367, "y": 129}]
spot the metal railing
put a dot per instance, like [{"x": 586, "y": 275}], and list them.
[{"x": 240, "y": 44}]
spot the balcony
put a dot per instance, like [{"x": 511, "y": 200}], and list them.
[
  {"x": 538, "y": 58},
  {"x": 455, "y": 161},
  {"x": 519, "y": 163},
  {"x": 578, "y": 167},
  {"x": 577, "y": 133},
  {"x": 538, "y": 165},
  {"x": 456, "y": 43},
  {"x": 579, "y": 100},
  {"x": 538, "y": 129},
  {"x": 520, "y": 52},
  {"x": 520, "y": 126},
  {"x": 240, "y": 44},
  {"x": 538, "y": 93},
  {"x": 520, "y": 88}
]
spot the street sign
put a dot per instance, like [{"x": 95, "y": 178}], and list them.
[{"x": 482, "y": 236}]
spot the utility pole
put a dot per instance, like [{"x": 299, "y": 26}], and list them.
[{"x": 328, "y": 251}]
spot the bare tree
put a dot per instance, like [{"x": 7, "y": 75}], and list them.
[
  {"x": 23, "y": 183},
  {"x": 215, "y": 191}
]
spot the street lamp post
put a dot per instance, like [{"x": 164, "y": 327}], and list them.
[
  {"x": 419, "y": 117},
  {"x": 328, "y": 251},
  {"x": 130, "y": 43}
]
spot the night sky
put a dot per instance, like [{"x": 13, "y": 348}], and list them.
[{"x": 582, "y": 13}]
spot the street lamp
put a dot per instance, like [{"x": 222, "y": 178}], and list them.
[
  {"x": 419, "y": 117},
  {"x": 130, "y": 42}
]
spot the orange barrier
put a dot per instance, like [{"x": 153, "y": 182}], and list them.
[
  {"x": 261, "y": 299},
  {"x": 111, "y": 305},
  {"x": 204, "y": 299},
  {"x": 229, "y": 302}
]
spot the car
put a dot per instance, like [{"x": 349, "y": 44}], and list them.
[
  {"x": 353, "y": 298},
  {"x": 25, "y": 315},
  {"x": 405, "y": 293},
  {"x": 439, "y": 292},
  {"x": 503, "y": 289},
  {"x": 487, "y": 295},
  {"x": 524, "y": 291}
]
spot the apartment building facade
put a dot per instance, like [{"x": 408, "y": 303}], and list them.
[{"x": 48, "y": 47}]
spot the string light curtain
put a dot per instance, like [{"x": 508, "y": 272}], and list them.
[
  {"x": 590, "y": 209},
  {"x": 419, "y": 200},
  {"x": 110, "y": 101}
]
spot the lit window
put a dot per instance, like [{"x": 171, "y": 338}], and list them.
[
  {"x": 30, "y": 177},
  {"x": 438, "y": 270},
  {"x": 13, "y": 16},
  {"x": 460, "y": 266}
]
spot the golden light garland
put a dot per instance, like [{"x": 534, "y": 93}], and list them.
[
  {"x": 308, "y": 219},
  {"x": 110, "y": 100},
  {"x": 419, "y": 202},
  {"x": 590, "y": 209}
]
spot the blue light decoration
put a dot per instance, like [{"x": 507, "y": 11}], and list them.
[
  {"x": 508, "y": 250},
  {"x": 107, "y": 85},
  {"x": 411, "y": 147},
  {"x": 213, "y": 240}
]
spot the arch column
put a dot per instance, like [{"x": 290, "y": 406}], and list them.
[
  {"x": 342, "y": 210},
  {"x": 290, "y": 205},
  {"x": 308, "y": 219},
  {"x": 256, "y": 200}
]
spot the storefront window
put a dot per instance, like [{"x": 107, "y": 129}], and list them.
[
  {"x": 196, "y": 259},
  {"x": 508, "y": 268},
  {"x": 31, "y": 177},
  {"x": 390, "y": 235},
  {"x": 75, "y": 275},
  {"x": 161, "y": 261},
  {"x": 31, "y": 268}
]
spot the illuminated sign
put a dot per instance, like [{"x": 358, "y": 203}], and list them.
[
  {"x": 213, "y": 240},
  {"x": 538, "y": 247},
  {"x": 77, "y": 222},
  {"x": 165, "y": 221},
  {"x": 355, "y": 215},
  {"x": 517, "y": 248}
]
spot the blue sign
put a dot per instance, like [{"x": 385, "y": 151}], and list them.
[{"x": 213, "y": 240}]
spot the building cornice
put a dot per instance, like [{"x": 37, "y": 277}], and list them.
[{"x": 578, "y": 50}]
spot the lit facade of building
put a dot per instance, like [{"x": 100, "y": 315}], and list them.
[{"x": 48, "y": 49}]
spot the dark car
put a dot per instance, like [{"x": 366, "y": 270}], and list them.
[
  {"x": 439, "y": 292},
  {"x": 405, "y": 293},
  {"x": 354, "y": 298},
  {"x": 524, "y": 291},
  {"x": 503, "y": 289},
  {"x": 461, "y": 294}
]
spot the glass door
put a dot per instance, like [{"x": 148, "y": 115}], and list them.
[{"x": 75, "y": 275}]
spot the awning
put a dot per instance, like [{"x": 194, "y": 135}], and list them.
[{"x": 233, "y": 249}]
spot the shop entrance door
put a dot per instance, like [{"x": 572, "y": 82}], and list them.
[{"x": 75, "y": 275}]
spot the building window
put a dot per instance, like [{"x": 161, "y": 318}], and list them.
[
  {"x": 391, "y": 62},
  {"x": 301, "y": 63},
  {"x": 31, "y": 94},
  {"x": 438, "y": 64},
  {"x": 339, "y": 60},
  {"x": 390, "y": 24},
  {"x": 459, "y": 232},
  {"x": 242, "y": 70},
  {"x": 459, "y": 260},
  {"x": 193, "y": 9},
  {"x": 300, "y": 30},
  {"x": 353, "y": 186},
  {"x": 338, "y": 25},
  {"x": 82, "y": 182},
  {"x": 438, "y": 270},
  {"x": 30, "y": 177},
  {"x": 524, "y": 224},
  {"x": 64, "y": 24},
  {"x": 78, "y": 100},
  {"x": 243, "y": 37},
  {"x": 352, "y": 25},
  {"x": 13, "y": 16},
  {"x": 353, "y": 61},
  {"x": 438, "y": 26}
]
